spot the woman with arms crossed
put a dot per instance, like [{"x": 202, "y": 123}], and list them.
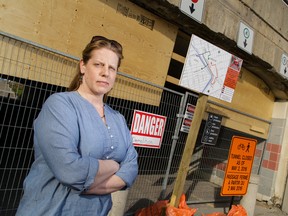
[{"x": 83, "y": 148}]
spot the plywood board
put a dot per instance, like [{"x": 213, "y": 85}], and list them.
[
  {"x": 68, "y": 26},
  {"x": 242, "y": 122},
  {"x": 22, "y": 60},
  {"x": 251, "y": 96}
]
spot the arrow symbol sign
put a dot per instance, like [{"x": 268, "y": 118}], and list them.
[
  {"x": 192, "y": 8},
  {"x": 285, "y": 70},
  {"x": 245, "y": 43},
  {"x": 245, "y": 38}
]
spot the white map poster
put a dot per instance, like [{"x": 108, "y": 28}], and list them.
[{"x": 210, "y": 70}]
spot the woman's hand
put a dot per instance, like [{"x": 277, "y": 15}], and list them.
[
  {"x": 106, "y": 169},
  {"x": 114, "y": 183},
  {"x": 105, "y": 181}
]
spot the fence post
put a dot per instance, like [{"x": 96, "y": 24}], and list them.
[
  {"x": 174, "y": 142},
  {"x": 188, "y": 150}
]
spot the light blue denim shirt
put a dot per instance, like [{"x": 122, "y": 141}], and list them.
[{"x": 69, "y": 138}]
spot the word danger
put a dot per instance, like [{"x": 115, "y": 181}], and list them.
[
  {"x": 147, "y": 124},
  {"x": 147, "y": 129}
]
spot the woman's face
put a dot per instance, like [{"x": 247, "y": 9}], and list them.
[{"x": 99, "y": 72}]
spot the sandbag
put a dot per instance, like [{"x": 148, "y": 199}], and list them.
[
  {"x": 173, "y": 211},
  {"x": 182, "y": 210},
  {"x": 153, "y": 210},
  {"x": 237, "y": 210},
  {"x": 215, "y": 214}
]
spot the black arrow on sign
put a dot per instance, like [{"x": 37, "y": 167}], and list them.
[
  {"x": 245, "y": 43},
  {"x": 285, "y": 71},
  {"x": 192, "y": 8}
]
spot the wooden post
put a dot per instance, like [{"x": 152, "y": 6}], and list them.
[{"x": 188, "y": 150}]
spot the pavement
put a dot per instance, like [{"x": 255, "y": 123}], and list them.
[{"x": 261, "y": 209}]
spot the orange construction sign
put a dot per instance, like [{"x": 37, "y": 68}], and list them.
[{"x": 238, "y": 170}]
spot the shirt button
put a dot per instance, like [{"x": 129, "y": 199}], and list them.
[
  {"x": 111, "y": 136},
  {"x": 112, "y": 147},
  {"x": 107, "y": 157},
  {"x": 108, "y": 128}
]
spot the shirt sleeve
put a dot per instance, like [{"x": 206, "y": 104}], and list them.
[
  {"x": 57, "y": 135},
  {"x": 129, "y": 166}
]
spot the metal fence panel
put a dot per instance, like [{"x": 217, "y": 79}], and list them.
[
  {"x": 153, "y": 162},
  {"x": 24, "y": 68},
  {"x": 29, "y": 75}
]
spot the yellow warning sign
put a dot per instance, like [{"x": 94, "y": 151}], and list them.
[{"x": 238, "y": 170}]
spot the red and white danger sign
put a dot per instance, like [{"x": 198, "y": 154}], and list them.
[{"x": 147, "y": 129}]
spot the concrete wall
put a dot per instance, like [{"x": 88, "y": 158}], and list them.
[
  {"x": 281, "y": 131},
  {"x": 285, "y": 199},
  {"x": 274, "y": 167},
  {"x": 268, "y": 18}
]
